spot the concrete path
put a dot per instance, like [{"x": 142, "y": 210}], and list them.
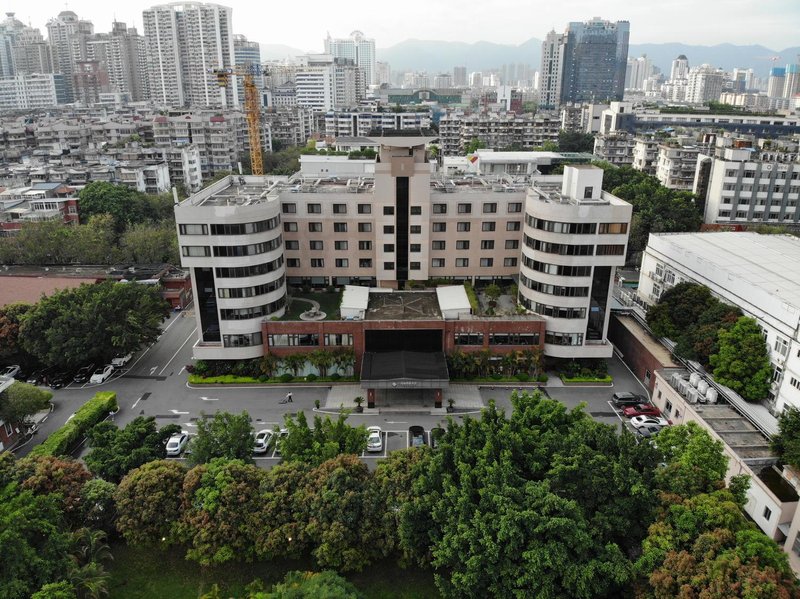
[{"x": 314, "y": 305}]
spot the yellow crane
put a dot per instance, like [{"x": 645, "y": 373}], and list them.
[{"x": 252, "y": 109}]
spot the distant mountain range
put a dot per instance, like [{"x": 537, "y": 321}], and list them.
[{"x": 440, "y": 57}]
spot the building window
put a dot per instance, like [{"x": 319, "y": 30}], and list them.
[
  {"x": 242, "y": 340},
  {"x": 290, "y": 227},
  {"x": 513, "y": 338},
  {"x": 512, "y": 244},
  {"x": 340, "y": 208},
  {"x": 487, "y": 262},
  {"x": 462, "y": 244},
  {"x": 463, "y": 227},
  {"x": 465, "y": 208},
  {"x": 388, "y": 229},
  {"x": 365, "y": 262},
  {"x": 513, "y": 225},
  {"x": 293, "y": 262},
  {"x": 289, "y": 208},
  {"x": 488, "y": 227},
  {"x": 338, "y": 339},
  {"x": 195, "y": 251},
  {"x": 587, "y": 193},
  {"x": 314, "y": 208},
  {"x": 293, "y": 340},
  {"x": 364, "y": 245},
  {"x": 414, "y": 266},
  {"x": 462, "y": 262},
  {"x": 365, "y": 227},
  {"x": 415, "y": 210},
  {"x": 292, "y": 244},
  {"x": 415, "y": 248},
  {"x": 340, "y": 227},
  {"x": 509, "y": 261},
  {"x": 439, "y": 208},
  {"x": 514, "y": 207},
  {"x": 767, "y": 513},
  {"x": 315, "y": 245},
  {"x": 610, "y": 250},
  {"x": 388, "y": 210},
  {"x": 438, "y": 245},
  {"x": 364, "y": 209},
  {"x": 468, "y": 338},
  {"x": 782, "y": 346},
  {"x": 388, "y": 248},
  {"x": 315, "y": 227},
  {"x": 194, "y": 229},
  {"x": 342, "y": 263},
  {"x": 340, "y": 245},
  {"x": 489, "y": 207},
  {"x": 317, "y": 263},
  {"x": 439, "y": 227},
  {"x": 437, "y": 262},
  {"x": 388, "y": 266},
  {"x": 553, "y": 338},
  {"x": 487, "y": 244},
  {"x": 794, "y": 383},
  {"x": 415, "y": 229},
  {"x": 612, "y": 228}
]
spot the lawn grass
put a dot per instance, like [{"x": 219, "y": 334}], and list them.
[
  {"x": 328, "y": 303},
  {"x": 138, "y": 573}
]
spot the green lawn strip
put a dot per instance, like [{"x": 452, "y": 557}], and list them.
[
  {"x": 232, "y": 379},
  {"x": 144, "y": 573},
  {"x": 587, "y": 379}
]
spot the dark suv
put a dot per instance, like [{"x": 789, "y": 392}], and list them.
[
  {"x": 622, "y": 399},
  {"x": 84, "y": 374}
]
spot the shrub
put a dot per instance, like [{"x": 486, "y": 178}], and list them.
[
  {"x": 542, "y": 378},
  {"x": 473, "y": 298},
  {"x": 286, "y": 377},
  {"x": 523, "y": 377},
  {"x": 92, "y": 412},
  {"x": 496, "y": 376},
  {"x": 200, "y": 367},
  {"x": 311, "y": 377},
  {"x": 335, "y": 376},
  {"x": 263, "y": 378}
]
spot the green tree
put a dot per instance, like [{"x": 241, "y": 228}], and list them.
[
  {"x": 474, "y": 145},
  {"x": 493, "y": 291},
  {"x": 146, "y": 243},
  {"x": 679, "y": 308},
  {"x": 125, "y": 205},
  {"x": 575, "y": 141},
  {"x": 56, "y": 590},
  {"x": 98, "y": 509},
  {"x": 311, "y": 585},
  {"x": 743, "y": 362},
  {"x": 115, "y": 452},
  {"x": 93, "y": 323},
  {"x": 57, "y": 477},
  {"x": 328, "y": 439},
  {"x": 148, "y": 502},
  {"x": 786, "y": 443},
  {"x": 11, "y": 316},
  {"x": 223, "y": 435},
  {"x": 21, "y": 400},
  {"x": 34, "y": 541},
  {"x": 695, "y": 463},
  {"x": 221, "y": 520}
]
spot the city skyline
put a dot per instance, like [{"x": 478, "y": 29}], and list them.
[{"x": 770, "y": 23}]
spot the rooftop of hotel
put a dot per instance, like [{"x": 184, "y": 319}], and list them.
[{"x": 403, "y": 305}]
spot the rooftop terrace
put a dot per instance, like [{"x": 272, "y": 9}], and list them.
[{"x": 403, "y": 305}]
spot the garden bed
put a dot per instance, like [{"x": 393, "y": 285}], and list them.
[
  {"x": 587, "y": 380},
  {"x": 231, "y": 379}
]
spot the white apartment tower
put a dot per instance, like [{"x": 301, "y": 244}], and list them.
[
  {"x": 680, "y": 69},
  {"x": 359, "y": 49},
  {"x": 551, "y": 70},
  {"x": 185, "y": 42},
  {"x": 67, "y": 36},
  {"x": 705, "y": 84}
]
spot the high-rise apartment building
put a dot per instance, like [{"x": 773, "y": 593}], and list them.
[
  {"x": 323, "y": 83},
  {"x": 705, "y": 84},
  {"x": 32, "y": 91},
  {"x": 776, "y": 82},
  {"x": 247, "y": 55},
  {"x": 10, "y": 29},
  {"x": 595, "y": 59},
  {"x": 359, "y": 49},
  {"x": 791, "y": 85},
  {"x": 185, "y": 42},
  {"x": 31, "y": 53},
  {"x": 552, "y": 70},
  {"x": 680, "y": 69},
  {"x": 460, "y": 76},
  {"x": 67, "y": 36},
  {"x": 638, "y": 70}
]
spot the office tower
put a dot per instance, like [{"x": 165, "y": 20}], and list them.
[
  {"x": 67, "y": 36},
  {"x": 743, "y": 79},
  {"x": 705, "y": 84},
  {"x": 185, "y": 42},
  {"x": 595, "y": 58},
  {"x": 791, "y": 85},
  {"x": 9, "y": 31},
  {"x": 460, "y": 76},
  {"x": 777, "y": 80},
  {"x": 680, "y": 68},
  {"x": 31, "y": 53},
  {"x": 359, "y": 49},
  {"x": 552, "y": 70}
]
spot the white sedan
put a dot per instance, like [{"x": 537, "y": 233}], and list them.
[
  {"x": 638, "y": 421},
  {"x": 374, "y": 439},
  {"x": 261, "y": 441},
  {"x": 101, "y": 374},
  {"x": 177, "y": 443},
  {"x": 120, "y": 361}
]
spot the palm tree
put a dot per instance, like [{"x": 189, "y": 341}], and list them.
[
  {"x": 345, "y": 360},
  {"x": 90, "y": 546},
  {"x": 322, "y": 360},
  {"x": 269, "y": 364},
  {"x": 482, "y": 361},
  {"x": 510, "y": 363},
  {"x": 295, "y": 362},
  {"x": 90, "y": 580}
]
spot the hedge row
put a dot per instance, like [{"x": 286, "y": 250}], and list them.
[
  {"x": 89, "y": 414},
  {"x": 587, "y": 379},
  {"x": 230, "y": 379}
]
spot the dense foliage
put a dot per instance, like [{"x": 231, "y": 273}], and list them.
[
  {"x": 21, "y": 400},
  {"x": 11, "y": 316},
  {"x": 742, "y": 362},
  {"x": 786, "y": 444},
  {"x": 656, "y": 209},
  {"x": 93, "y": 411},
  {"x": 93, "y": 323},
  {"x": 324, "y": 441},
  {"x": 223, "y": 435}
]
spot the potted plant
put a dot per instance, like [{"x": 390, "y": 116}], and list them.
[
  {"x": 450, "y": 403},
  {"x": 359, "y": 400},
  {"x": 316, "y": 404}
]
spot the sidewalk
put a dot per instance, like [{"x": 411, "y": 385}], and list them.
[{"x": 466, "y": 397}]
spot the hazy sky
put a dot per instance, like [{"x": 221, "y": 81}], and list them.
[{"x": 303, "y": 24}]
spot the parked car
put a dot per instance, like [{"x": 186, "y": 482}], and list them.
[
  {"x": 278, "y": 436},
  {"x": 374, "y": 439},
  {"x": 177, "y": 443},
  {"x": 84, "y": 373},
  {"x": 101, "y": 374},
  {"x": 10, "y": 371},
  {"x": 37, "y": 377},
  {"x": 642, "y": 409},
  {"x": 626, "y": 398},
  {"x": 648, "y": 431},
  {"x": 261, "y": 441},
  {"x": 638, "y": 421},
  {"x": 416, "y": 436},
  {"x": 436, "y": 435},
  {"x": 120, "y": 361},
  {"x": 59, "y": 379}
]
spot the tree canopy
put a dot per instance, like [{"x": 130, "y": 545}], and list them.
[
  {"x": 11, "y": 316},
  {"x": 21, "y": 400},
  {"x": 786, "y": 443},
  {"x": 742, "y": 362},
  {"x": 223, "y": 435},
  {"x": 126, "y": 206},
  {"x": 93, "y": 323},
  {"x": 326, "y": 440}
]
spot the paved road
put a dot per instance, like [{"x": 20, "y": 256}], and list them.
[{"x": 154, "y": 383}]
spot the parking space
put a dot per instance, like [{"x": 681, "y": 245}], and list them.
[{"x": 378, "y": 454}]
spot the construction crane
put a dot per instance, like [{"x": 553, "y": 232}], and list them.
[{"x": 252, "y": 109}]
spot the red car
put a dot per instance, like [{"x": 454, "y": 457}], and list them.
[{"x": 643, "y": 409}]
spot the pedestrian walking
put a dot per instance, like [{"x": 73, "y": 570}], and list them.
[{"x": 289, "y": 397}]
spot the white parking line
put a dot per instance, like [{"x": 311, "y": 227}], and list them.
[{"x": 194, "y": 330}]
